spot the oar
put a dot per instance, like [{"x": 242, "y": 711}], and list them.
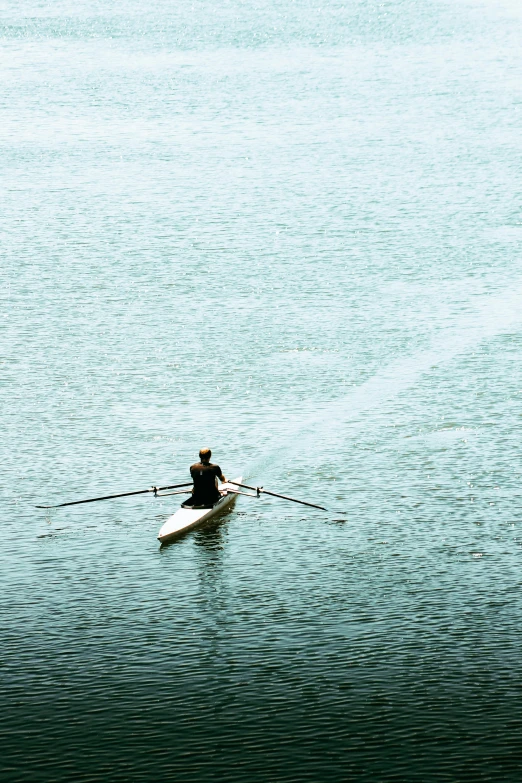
[
  {"x": 275, "y": 495},
  {"x": 121, "y": 495}
]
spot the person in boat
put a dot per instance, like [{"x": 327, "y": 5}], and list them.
[{"x": 205, "y": 476}]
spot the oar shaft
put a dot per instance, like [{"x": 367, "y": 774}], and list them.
[
  {"x": 93, "y": 500},
  {"x": 284, "y": 497},
  {"x": 245, "y": 486},
  {"x": 121, "y": 495}
]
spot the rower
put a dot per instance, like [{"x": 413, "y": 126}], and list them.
[{"x": 205, "y": 476}]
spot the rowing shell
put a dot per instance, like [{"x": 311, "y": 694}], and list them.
[{"x": 187, "y": 518}]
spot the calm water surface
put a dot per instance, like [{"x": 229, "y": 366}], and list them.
[{"x": 290, "y": 231}]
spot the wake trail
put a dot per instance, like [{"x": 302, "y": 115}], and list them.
[{"x": 489, "y": 319}]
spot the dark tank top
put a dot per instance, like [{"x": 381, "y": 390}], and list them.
[{"x": 204, "y": 478}]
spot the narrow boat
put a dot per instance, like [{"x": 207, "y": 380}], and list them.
[{"x": 188, "y": 518}]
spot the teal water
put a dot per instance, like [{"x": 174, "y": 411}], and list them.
[{"x": 289, "y": 231}]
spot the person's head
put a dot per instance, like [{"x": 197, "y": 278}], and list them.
[{"x": 205, "y": 455}]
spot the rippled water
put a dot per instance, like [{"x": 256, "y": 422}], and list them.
[{"x": 290, "y": 231}]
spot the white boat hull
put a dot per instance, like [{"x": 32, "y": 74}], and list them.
[{"x": 188, "y": 518}]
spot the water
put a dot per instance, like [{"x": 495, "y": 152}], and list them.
[{"x": 289, "y": 231}]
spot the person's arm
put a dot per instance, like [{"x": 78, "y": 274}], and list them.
[{"x": 221, "y": 476}]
